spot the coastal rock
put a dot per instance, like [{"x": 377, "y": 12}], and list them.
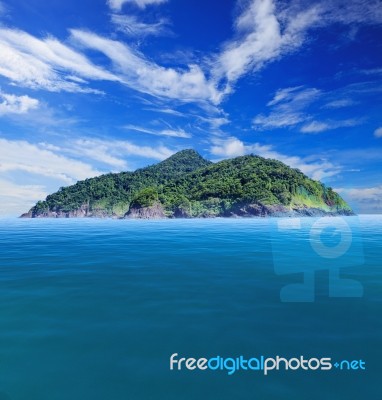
[
  {"x": 181, "y": 213},
  {"x": 278, "y": 210},
  {"x": 82, "y": 212},
  {"x": 259, "y": 210},
  {"x": 156, "y": 211}
]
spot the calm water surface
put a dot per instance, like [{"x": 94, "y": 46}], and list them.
[{"x": 93, "y": 309}]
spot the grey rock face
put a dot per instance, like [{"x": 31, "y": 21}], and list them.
[{"x": 156, "y": 211}]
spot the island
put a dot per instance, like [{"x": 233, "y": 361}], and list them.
[{"x": 188, "y": 186}]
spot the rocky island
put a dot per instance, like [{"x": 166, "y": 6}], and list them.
[{"x": 188, "y": 186}]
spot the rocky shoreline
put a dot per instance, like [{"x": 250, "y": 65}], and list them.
[{"x": 157, "y": 211}]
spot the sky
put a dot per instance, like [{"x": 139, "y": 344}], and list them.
[{"x": 96, "y": 86}]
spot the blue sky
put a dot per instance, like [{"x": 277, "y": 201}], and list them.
[{"x": 93, "y": 86}]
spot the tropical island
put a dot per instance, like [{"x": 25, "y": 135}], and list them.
[{"x": 188, "y": 186}]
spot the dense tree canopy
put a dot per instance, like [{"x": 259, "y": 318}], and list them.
[{"x": 186, "y": 183}]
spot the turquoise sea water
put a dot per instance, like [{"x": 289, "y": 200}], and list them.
[{"x": 93, "y": 309}]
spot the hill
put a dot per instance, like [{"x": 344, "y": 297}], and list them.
[{"x": 186, "y": 186}]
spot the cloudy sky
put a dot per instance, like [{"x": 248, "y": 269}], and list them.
[{"x": 93, "y": 86}]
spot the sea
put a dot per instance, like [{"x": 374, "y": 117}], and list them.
[{"x": 94, "y": 309}]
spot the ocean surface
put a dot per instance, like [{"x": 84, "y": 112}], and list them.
[{"x": 93, "y": 309}]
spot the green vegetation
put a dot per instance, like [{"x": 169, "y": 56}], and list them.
[
  {"x": 145, "y": 198},
  {"x": 186, "y": 185}
]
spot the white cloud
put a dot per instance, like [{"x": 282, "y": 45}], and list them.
[
  {"x": 42, "y": 63},
  {"x": 294, "y": 98},
  {"x": 12, "y": 104},
  {"x": 169, "y": 111},
  {"x": 365, "y": 200},
  {"x": 287, "y": 107},
  {"x": 267, "y": 30},
  {"x": 264, "y": 31},
  {"x": 16, "y": 199},
  {"x": 56, "y": 165},
  {"x": 129, "y": 148},
  {"x": 131, "y": 26},
  {"x": 51, "y": 65},
  {"x": 179, "y": 133},
  {"x": 260, "y": 39},
  {"x": 99, "y": 151},
  {"x": 261, "y": 42},
  {"x": 277, "y": 120},
  {"x": 32, "y": 192},
  {"x": 378, "y": 132},
  {"x": 317, "y": 127},
  {"x": 372, "y": 71},
  {"x": 109, "y": 152},
  {"x": 215, "y": 122},
  {"x": 145, "y": 76},
  {"x": 44, "y": 118},
  {"x": 340, "y": 103},
  {"x": 231, "y": 147},
  {"x": 352, "y": 12},
  {"x": 19, "y": 155},
  {"x": 315, "y": 168},
  {"x": 157, "y": 152},
  {"x": 116, "y": 5}
]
